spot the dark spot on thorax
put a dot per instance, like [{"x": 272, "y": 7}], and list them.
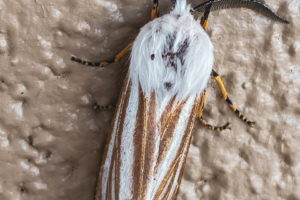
[
  {"x": 168, "y": 85},
  {"x": 152, "y": 56},
  {"x": 170, "y": 56}
]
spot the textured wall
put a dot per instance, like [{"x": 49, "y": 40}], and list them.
[{"x": 51, "y": 137}]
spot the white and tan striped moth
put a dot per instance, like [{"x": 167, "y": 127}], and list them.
[
  {"x": 162, "y": 95},
  {"x": 171, "y": 62}
]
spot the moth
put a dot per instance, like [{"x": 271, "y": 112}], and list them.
[{"x": 162, "y": 96}]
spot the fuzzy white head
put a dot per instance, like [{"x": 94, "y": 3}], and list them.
[{"x": 172, "y": 55}]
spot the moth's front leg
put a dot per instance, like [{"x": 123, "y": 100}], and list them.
[
  {"x": 117, "y": 58},
  {"x": 122, "y": 53}
]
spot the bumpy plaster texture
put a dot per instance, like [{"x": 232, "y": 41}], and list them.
[{"x": 51, "y": 135}]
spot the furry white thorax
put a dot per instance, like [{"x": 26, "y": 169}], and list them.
[{"x": 172, "y": 55}]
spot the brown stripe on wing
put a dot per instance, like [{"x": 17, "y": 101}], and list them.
[
  {"x": 185, "y": 148},
  {"x": 138, "y": 144},
  {"x": 166, "y": 113},
  {"x": 144, "y": 144},
  {"x": 109, "y": 137},
  {"x": 181, "y": 154},
  {"x": 172, "y": 178},
  {"x": 167, "y": 132},
  {"x": 175, "y": 192},
  {"x": 117, "y": 158},
  {"x": 150, "y": 141},
  {"x": 166, "y": 178}
]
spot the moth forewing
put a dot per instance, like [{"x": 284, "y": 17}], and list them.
[
  {"x": 108, "y": 163},
  {"x": 171, "y": 62}
]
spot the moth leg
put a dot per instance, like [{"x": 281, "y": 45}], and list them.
[
  {"x": 214, "y": 128},
  {"x": 217, "y": 77},
  {"x": 204, "y": 122},
  {"x": 103, "y": 108},
  {"x": 204, "y": 18},
  {"x": 154, "y": 11},
  {"x": 117, "y": 58}
]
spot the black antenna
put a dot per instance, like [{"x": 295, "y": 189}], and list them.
[{"x": 257, "y": 5}]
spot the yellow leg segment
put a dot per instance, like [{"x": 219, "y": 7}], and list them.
[
  {"x": 204, "y": 122},
  {"x": 204, "y": 19},
  {"x": 123, "y": 52},
  {"x": 202, "y": 103},
  {"x": 154, "y": 11},
  {"x": 205, "y": 25},
  {"x": 220, "y": 83},
  {"x": 117, "y": 58}
]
